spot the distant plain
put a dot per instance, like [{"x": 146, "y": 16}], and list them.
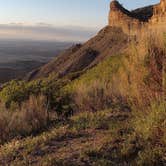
[{"x": 18, "y": 57}]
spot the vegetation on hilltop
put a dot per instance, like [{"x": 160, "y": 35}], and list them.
[{"x": 111, "y": 114}]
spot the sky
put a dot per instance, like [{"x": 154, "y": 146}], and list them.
[{"x": 63, "y": 20}]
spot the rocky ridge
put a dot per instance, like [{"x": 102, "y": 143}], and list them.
[{"x": 150, "y": 17}]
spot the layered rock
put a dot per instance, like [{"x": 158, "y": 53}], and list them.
[
  {"x": 133, "y": 21},
  {"x": 159, "y": 13}
]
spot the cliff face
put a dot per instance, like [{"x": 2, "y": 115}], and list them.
[
  {"x": 133, "y": 21},
  {"x": 159, "y": 13}
]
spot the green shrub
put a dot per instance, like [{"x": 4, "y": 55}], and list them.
[{"x": 16, "y": 92}]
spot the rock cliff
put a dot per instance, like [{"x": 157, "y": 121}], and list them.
[{"x": 150, "y": 17}]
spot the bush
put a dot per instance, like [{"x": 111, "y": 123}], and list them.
[{"x": 16, "y": 92}]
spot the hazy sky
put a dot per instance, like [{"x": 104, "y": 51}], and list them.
[{"x": 69, "y": 14}]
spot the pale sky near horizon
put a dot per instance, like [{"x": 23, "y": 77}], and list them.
[{"x": 67, "y": 14}]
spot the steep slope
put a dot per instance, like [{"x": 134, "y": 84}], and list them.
[{"x": 107, "y": 42}]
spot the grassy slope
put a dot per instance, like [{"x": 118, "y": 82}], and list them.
[
  {"x": 77, "y": 142},
  {"x": 119, "y": 114},
  {"x": 102, "y": 138},
  {"x": 109, "y": 137}
]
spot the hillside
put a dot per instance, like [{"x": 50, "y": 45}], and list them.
[
  {"x": 102, "y": 103},
  {"x": 111, "y": 40},
  {"x": 113, "y": 123},
  {"x": 107, "y": 42}
]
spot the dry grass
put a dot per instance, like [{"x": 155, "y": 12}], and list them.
[
  {"x": 92, "y": 98},
  {"x": 133, "y": 81},
  {"x": 29, "y": 119},
  {"x": 138, "y": 80},
  {"x": 71, "y": 144}
]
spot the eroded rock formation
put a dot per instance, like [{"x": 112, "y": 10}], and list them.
[{"x": 149, "y": 17}]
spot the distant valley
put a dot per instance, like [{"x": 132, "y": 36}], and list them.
[{"x": 20, "y": 57}]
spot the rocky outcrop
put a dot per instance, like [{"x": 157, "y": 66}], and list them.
[
  {"x": 133, "y": 21},
  {"x": 159, "y": 14}
]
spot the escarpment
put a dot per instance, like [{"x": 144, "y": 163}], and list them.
[
  {"x": 111, "y": 40},
  {"x": 150, "y": 17}
]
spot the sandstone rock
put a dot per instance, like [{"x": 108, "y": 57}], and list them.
[{"x": 134, "y": 21}]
